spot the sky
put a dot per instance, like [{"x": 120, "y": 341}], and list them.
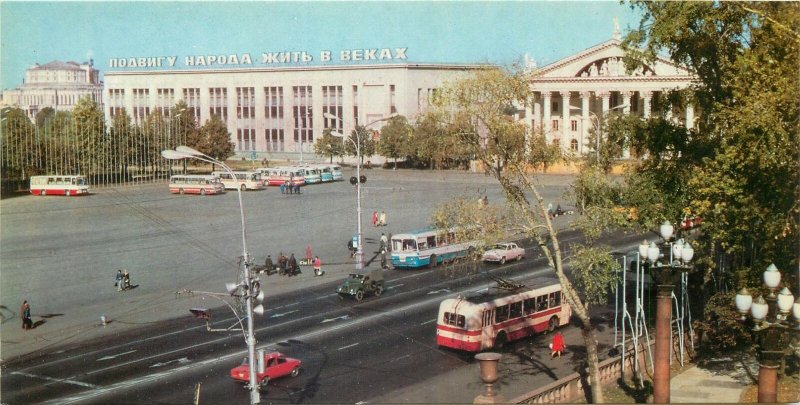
[{"x": 498, "y": 32}]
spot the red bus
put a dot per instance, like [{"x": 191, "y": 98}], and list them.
[{"x": 501, "y": 315}]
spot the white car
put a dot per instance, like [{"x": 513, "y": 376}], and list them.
[{"x": 502, "y": 252}]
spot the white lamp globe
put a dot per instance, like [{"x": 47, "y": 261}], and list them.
[
  {"x": 666, "y": 230},
  {"x": 785, "y": 300},
  {"x": 772, "y": 277},
  {"x": 743, "y": 301},
  {"x": 677, "y": 249},
  {"x": 652, "y": 252},
  {"x": 643, "y": 250},
  {"x": 687, "y": 253},
  {"x": 759, "y": 309},
  {"x": 796, "y": 309}
]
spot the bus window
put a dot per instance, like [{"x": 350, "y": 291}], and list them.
[
  {"x": 501, "y": 314},
  {"x": 432, "y": 241},
  {"x": 454, "y": 319},
  {"x": 487, "y": 318},
  {"x": 409, "y": 244},
  {"x": 516, "y": 309},
  {"x": 555, "y": 299},
  {"x": 541, "y": 303},
  {"x": 529, "y": 306},
  {"x": 422, "y": 245}
]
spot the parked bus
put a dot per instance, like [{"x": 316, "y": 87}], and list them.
[
  {"x": 195, "y": 184},
  {"x": 271, "y": 176},
  {"x": 325, "y": 173},
  {"x": 311, "y": 174},
  {"x": 336, "y": 171},
  {"x": 59, "y": 185},
  {"x": 294, "y": 175},
  {"x": 501, "y": 315},
  {"x": 427, "y": 247},
  {"x": 245, "y": 180}
]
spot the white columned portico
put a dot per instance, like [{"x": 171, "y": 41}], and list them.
[
  {"x": 626, "y": 109},
  {"x": 605, "y": 96},
  {"x": 647, "y": 96},
  {"x": 546, "y": 119},
  {"x": 585, "y": 120},
  {"x": 537, "y": 113},
  {"x": 565, "y": 121}
]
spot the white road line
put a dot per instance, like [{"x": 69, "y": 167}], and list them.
[
  {"x": 401, "y": 357},
  {"x": 348, "y": 346},
  {"x": 66, "y": 381},
  {"x": 427, "y": 322}
]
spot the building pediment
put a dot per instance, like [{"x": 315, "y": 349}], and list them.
[{"x": 606, "y": 61}]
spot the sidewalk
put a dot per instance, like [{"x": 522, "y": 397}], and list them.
[{"x": 702, "y": 385}]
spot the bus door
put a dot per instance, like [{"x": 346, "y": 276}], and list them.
[{"x": 487, "y": 331}]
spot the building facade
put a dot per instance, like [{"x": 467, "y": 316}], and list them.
[
  {"x": 58, "y": 85},
  {"x": 282, "y": 109},
  {"x": 573, "y": 95}
]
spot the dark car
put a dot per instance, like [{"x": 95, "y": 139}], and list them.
[{"x": 357, "y": 285}]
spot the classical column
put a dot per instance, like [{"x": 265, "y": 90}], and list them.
[
  {"x": 536, "y": 122},
  {"x": 260, "y": 118},
  {"x": 626, "y": 109},
  {"x": 605, "y": 96},
  {"x": 546, "y": 126},
  {"x": 585, "y": 119},
  {"x": 647, "y": 97},
  {"x": 689, "y": 116},
  {"x": 565, "y": 121}
]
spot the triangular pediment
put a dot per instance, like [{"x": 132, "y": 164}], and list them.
[{"x": 605, "y": 60}]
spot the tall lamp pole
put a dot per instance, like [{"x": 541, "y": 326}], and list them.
[
  {"x": 243, "y": 289},
  {"x": 356, "y": 181},
  {"x": 772, "y": 328},
  {"x": 667, "y": 270}
]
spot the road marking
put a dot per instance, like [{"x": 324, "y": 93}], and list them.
[
  {"x": 394, "y": 286},
  {"x": 401, "y": 357},
  {"x": 282, "y": 314},
  {"x": 427, "y": 322},
  {"x": 326, "y": 320},
  {"x": 179, "y": 361},
  {"x": 66, "y": 381},
  {"x": 348, "y": 346},
  {"x": 438, "y": 291},
  {"x": 114, "y": 356}
]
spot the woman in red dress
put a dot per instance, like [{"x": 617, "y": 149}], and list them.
[{"x": 558, "y": 345}]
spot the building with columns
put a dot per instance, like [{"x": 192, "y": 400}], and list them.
[
  {"x": 58, "y": 85},
  {"x": 573, "y": 95},
  {"x": 282, "y": 109}
]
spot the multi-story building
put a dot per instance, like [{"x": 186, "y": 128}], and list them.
[
  {"x": 285, "y": 108},
  {"x": 58, "y": 85}
]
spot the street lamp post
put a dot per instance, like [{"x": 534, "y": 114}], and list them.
[
  {"x": 357, "y": 182},
  {"x": 244, "y": 289},
  {"x": 666, "y": 273},
  {"x": 772, "y": 328}
]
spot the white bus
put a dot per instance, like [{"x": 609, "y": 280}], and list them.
[
  {"x": 427, "y": 247},
  {"x": 311, "y": 174},
  {"x": 202, "y": 184},
  {"x": 501, "y": 315},
  {"x": 59, "y": 185},
  {"x": 336, "y": 171},
  {"x": 245, "y": 180}
]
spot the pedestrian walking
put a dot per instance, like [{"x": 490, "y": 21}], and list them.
[
  {"x": 384, "y": 263},
  {"x": 25, "y": 314},
  {"x": 318, "y": 266},
  {"x": 382, "y": 218},
  {"x": 384, "y": 241},
  {"x": 293, "y": 269},
  {"x": 374, "y": 218},
  {"x": 126, "y": 280},
  {"x": 283, "y": 188},
  {"x": 118, "y": 280},
  {"x": 268, "y": 266},
  {"x": 296, "y": 189},
  {"x": 557, "y": 346}
]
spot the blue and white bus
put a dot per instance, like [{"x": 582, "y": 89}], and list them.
[
  {"x": 427, "y": 247},
  {"x": 325, "y": 173},
  {"x": 336, "y": 171}
]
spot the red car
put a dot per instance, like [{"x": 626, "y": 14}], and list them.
[{"x": 275, "y": 365}]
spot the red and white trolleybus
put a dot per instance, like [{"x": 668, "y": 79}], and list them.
[{"x": 501, "y": 315}]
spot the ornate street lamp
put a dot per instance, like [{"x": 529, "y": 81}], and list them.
[
  {"x": 667, "y": 270},
  {"x": 772, "y": 328},
  {"x": 247, "y": 288}
]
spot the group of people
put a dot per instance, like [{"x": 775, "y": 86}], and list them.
[
  {"x": 122, "y": 280},
  {"x": 558, "y": 211},
  {"x": 288, "y": 188},
  {"x": 378, "y": 219},
  {"x": 287, "y": 266}
]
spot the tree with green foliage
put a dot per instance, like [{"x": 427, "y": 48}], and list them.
[
  {"x": 428, "y": 139},
  {"x": 329, "y": 145},
  {"x": 395, "y": 139},
  {"x": 478, "y": 106},
  {"x": 362, "y": 136},
  {"x": 215, "y": 140},
  {"x": 44, "y": 115},
  {"x": 19, "y": 144}
]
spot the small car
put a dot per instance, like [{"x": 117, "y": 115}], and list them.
[
  {"x": 357, "y": 285},
  {"x": 275, "y": 365},
  {"x": 502, "y": 252}
]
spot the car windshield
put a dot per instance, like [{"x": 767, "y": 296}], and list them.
[{"x": 501, "y": 246}]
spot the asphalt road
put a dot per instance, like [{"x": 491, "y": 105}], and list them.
[{"x": 377, "y": 351}]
